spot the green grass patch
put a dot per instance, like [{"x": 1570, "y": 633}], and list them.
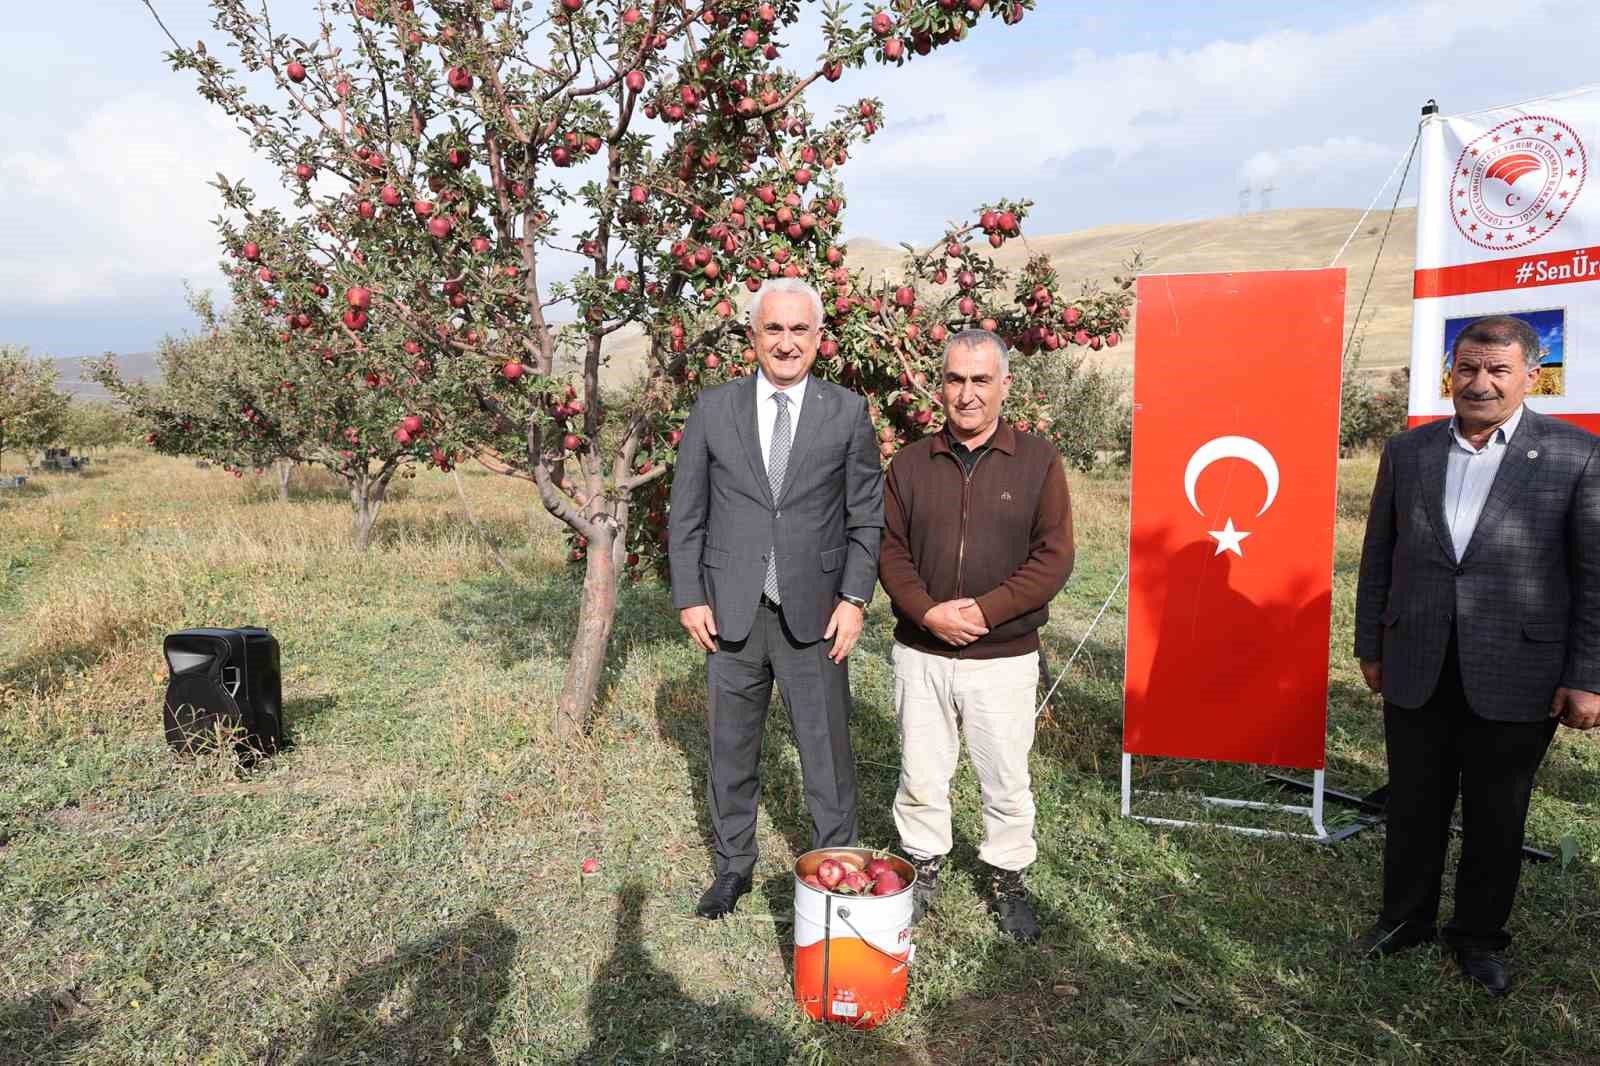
[{"x": 402, "y": 886}]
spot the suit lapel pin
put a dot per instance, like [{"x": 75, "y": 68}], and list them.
[{"x": 1534, "y": 454}]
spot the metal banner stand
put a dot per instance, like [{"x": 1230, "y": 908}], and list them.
[
  {"x": 1373, "y": 807},
  {"x": 1319, "y": 833}
]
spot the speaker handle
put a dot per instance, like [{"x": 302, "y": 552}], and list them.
[{"x": 231, "y": 680}]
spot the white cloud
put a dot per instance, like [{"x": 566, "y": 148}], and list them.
[
  {"x": 1333, "y": 156},
  {"x": 113, "y": 212},
  {"x": 1142, "y": 132},
  {"x": 117, "y": 209}
]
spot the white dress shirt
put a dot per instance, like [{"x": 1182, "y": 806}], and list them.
[
  {"x": 767, "y": 410},
  {"x": 1469, "y": 474}
]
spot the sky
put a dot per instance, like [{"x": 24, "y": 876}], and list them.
[{"x": 1100, "y": 112}]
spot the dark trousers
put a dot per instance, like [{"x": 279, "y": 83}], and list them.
[
  {"x": 1436, "y": 751},
  {"x": 816, "y": 691}
]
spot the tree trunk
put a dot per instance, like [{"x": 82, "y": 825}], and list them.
[
  {"x": 597, "y": 612},
  {"x": 366, "y": 499},
  {"x": 284, "y": 469}
]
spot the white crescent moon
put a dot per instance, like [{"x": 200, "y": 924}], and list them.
[{"x": 1252, "y": 452}]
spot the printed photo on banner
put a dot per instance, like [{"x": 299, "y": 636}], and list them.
[{"x": 1550, "y": 323}]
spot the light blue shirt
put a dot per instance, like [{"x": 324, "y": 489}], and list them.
[{"x": 1468, "y": 477}]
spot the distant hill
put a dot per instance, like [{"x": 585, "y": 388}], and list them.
[
  {"x": 1270, "y": 240},
  {"x": 135, "y": 366}
]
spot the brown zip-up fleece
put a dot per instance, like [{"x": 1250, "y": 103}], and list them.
[{"x": 1001, "y": 534}]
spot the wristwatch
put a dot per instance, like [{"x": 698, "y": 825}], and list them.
[{"x": 855, "y": 601}]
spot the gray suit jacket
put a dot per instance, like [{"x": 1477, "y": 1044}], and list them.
[
  {"x": 1524, "y": 598},
  {"x": 825, "y": 524}
]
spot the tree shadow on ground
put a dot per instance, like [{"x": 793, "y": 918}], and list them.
[
  {"x": 300, "y": 714},
  {"x": 518, "y": 620},
  {"x": 47, "y": 671},
  {"x": 44, "y": 1028},
  {"x": 432, "y": 1001}
]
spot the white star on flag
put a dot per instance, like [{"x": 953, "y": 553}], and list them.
[{"x": 1228, "y": 539}]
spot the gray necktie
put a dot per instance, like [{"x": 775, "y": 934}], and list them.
[{"x": 777, "y": 464}]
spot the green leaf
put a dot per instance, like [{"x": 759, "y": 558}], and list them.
[{"x": 1569, "y": 850}]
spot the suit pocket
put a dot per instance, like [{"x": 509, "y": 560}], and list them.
[
  {"x": 832, "y": 559},
  {"x": 714, "y": 557},
  {"x": 1545, "y": 632}
]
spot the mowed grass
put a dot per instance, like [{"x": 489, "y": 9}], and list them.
[{"x": 402, "y": 885}]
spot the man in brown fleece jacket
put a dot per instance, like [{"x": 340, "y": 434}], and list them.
[{"x": 977, "y": 542}]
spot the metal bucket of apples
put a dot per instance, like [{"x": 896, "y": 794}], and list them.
[{"x": 852, "y": 934}]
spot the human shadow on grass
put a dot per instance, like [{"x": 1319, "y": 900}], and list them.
[
  {"x": 432, "y": 1001},
  {"x": 638, "y": 1012},
  {"x": 44, "y": 1028}
]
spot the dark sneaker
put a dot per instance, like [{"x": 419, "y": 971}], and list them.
[
  {"x": 1008, "y": 898},
  {"x": 926, "y": 888}
]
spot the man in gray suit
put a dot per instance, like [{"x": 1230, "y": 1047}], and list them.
[
  {"x": 1478, "y": 619},
  {"x": 777, "y": 508}
]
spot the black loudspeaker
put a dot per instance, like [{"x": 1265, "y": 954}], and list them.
[{"x": 227, "y": 682}]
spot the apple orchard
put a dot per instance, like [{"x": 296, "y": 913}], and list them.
[{"x": 445, "y": 157}]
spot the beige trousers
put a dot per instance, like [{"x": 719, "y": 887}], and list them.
[{"x": 990, "y": 702}]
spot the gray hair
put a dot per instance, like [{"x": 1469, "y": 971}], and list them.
[
  {"x": 785, "y": 285},
  {"x": 1501, "y": 331},
  {"x": 977, "y": 338}
]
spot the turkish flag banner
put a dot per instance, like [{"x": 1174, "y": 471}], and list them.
[{"x": 1235, "y": 473}]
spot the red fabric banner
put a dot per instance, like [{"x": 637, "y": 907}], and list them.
[{"x": 1235, "y": 470}]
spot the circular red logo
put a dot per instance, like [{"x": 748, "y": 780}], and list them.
[{"x": 1517, "y": 181}]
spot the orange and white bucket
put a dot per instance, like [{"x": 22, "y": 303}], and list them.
[{"x": 851, "y": 952}]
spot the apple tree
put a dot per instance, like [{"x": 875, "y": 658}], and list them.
[
  {"x": 246, "y": 395},
  {"x": 488, "y": 184},
  {"x": 32, "y": 410},
  {"x": 92, "y": 425}
]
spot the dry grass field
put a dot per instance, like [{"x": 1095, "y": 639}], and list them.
[{"x": 402, "y": 884}]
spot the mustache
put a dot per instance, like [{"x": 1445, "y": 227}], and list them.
[{"x": 1479, "y": 396}]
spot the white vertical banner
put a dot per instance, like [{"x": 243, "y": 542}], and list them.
[{"x": 1508, "y": 223}]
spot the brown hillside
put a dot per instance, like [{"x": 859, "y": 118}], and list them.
[{"x": 1271, "y": 240}]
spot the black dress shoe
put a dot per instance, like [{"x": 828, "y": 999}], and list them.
[
  {"x": 724, "y": 892},
  {"x": 1484, "y": 968},
  {"x": 1382, "y": 941}
]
